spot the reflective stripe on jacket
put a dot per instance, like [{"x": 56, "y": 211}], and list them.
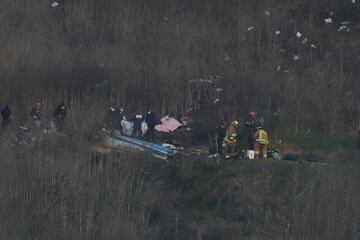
[
  {"x": 231, "y": 134},
  {"x": 262, "y": 136}
]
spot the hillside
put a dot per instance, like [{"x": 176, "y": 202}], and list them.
[
  {"x": 294, "y": 62},
  {"x": 47, "y": 192}
]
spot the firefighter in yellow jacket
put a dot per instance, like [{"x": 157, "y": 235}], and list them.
[
  {"x": 262, "y": 140},
  {"x": 230, "y": 139}
]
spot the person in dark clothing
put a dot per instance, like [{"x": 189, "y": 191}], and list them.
[
  {"x": 122, "y": 114},
  {"x": 253, "y": 120},
  {"x": 151, "y": 122},
  {"x": 113, "y": 119},
  {"x": 220, "y": 133},
  {"x": 36, "y": 112},
  {"x": 60, "y": 111},
  {"x": 137, "y": 120},
  {"x": 249, "y": 137},
  {"x": 36, "y": 116},
  {"x": 6, "y": 115},
  {"x": 249, "y": 134}
]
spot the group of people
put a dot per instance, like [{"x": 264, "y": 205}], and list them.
[
  {"x": 35, "y": 113},
  {"x": 115, "y": 120},
  {"x": 136, "y": 126},
  {"x": 252, "y": 138}
]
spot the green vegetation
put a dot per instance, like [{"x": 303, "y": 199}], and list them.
[{"x": 321, "y": 141}]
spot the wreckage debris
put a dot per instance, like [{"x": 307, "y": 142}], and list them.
[
  {"x": 201, "y": 81},
  {"x": 328, "y": 20},
  {"x": 296, "y": 57},
  {"x": 54, "y": 4}
]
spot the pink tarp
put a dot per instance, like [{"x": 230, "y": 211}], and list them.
[{"x": 168, "y": 125}]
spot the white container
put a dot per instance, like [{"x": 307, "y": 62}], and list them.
[{"x": 250, "y": 154}]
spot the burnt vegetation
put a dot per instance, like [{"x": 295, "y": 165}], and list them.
[{"x": 138, "y": 54}]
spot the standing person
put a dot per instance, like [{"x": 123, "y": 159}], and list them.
[
  {"x": 151, "y": 122},
  {"x": 113, "y": 119},
  {"x": 231, "y": 140},
  {"x": 60, "y": 115},
  {"x": 122, "y": 119},
  {"x": 262, "y": 140},
  {"x": 36, "y": 115},
  {"x": 253, "y": 120},
  {"x": 6, "y": 115},
  {"x": 60, "y": 111},
  {"x": 122, "y": 114},
  {"x": 36, "y": 111},
  {"x": 249, "y": 135},
  {"x": 137, "y": 120},
  {"x": 220, "y": 134}
]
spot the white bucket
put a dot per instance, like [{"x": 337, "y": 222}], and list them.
[{"x": 250, "y": 154}]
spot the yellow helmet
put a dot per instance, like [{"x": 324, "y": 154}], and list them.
[{"x": 235, "y": 123}]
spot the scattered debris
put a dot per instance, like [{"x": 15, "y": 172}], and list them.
[
  {"x": 304, "y": 41},
  {"x": 24, "y": 128},
  {"x": 201, "y": 81},
  {"x": 226, "y": 57},
  {"x": 213, "y": 156},
  {"x": 353, "y": 1},
  {"x": 171, "y": 146},
  {"x": 341, "y": 28},
  {"x": 54, "y": 4},
  {"x": 215, "y": 77},
  {"x": 277, "y": 32},
  {"x": 345, "y": 23},
  {"x": 101, "y": 84},
  {"x": 286, "y": 71},
  {"x": 250, "y": 28},
  {"x": 160, "y": 156},
  {"x": 186, "y": 120},
  {"x": 278, "y": 68},
  {"x": 296, "y": 57},
  {"x": 219, "y": 89},
  {"x": 267, "y": 12},
  {"x": 217, "y": 100},
  {"x": 318, "y": 164},
  {"x": 308, "y": 131},
  {"x": 328, "y": 20},
  {"x": 298, "y": 34},
  {"x": 313, "y": 45}
]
